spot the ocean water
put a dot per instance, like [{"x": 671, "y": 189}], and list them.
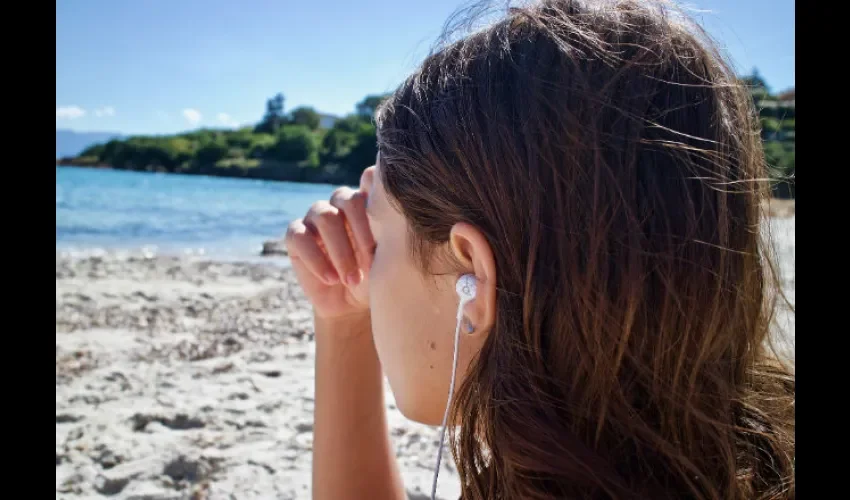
[
  {"x": 106, "y": 210},
  {"x": 110, "y": 210},
  {"x": 100, "y": 209}
]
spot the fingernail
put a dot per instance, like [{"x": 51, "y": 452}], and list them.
[
  {"x": 331, "y": 278},
  {"x": 353, "y": 278}
]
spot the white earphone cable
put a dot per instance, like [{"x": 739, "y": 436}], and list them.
[{"x": 463, "y": 301}]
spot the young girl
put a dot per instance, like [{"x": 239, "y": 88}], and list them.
[{"x": 597, "y": 168}]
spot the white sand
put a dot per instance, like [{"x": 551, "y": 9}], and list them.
[{"x": 179, "y": 379}]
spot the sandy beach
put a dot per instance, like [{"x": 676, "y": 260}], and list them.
[
  {"x": 178, "y": 378},
  {"x": 183, "y": 379}
]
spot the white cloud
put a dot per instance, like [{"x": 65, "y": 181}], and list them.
[
  {"x": 69, "y": 112},
  {"x": 227, "y": 120},
  {"x": 193, "y": 116},
  {"x": 105, "y": 111}
]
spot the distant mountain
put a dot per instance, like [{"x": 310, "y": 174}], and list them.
[{"x": 71, "y": 143}]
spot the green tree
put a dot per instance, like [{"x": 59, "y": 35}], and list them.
[
  {"x": 367, "y": 107},
  {"x": 364, "y": 151},
  {"x": 274, "y": 117},
  {"x": 295, "y": 143},
  {"x": 241, "y": 138},
  {"x": 755, "y": 81},
  {"x": 211, "y": 153},
  {"x": 352, "y": 123},
  {"x": 336, "y": 145},
  {"x": 179, "y": 151},
  {"x": 306, "y": 116},
  {"x": 770, "y": 127},
  {"x": 94, "y": 151},
  {"x": 260, "y": 145},
  {"x": 350, "y": 142},
  {"x": 117, "y": 153}
]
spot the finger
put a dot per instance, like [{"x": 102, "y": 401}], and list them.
[
  {"x": 353, "y": 205},
  {"x": 329, "y": 224},
  {"x": 302, "y": 246}
]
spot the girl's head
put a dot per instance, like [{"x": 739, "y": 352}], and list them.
[{"x": 597, "y": 166}]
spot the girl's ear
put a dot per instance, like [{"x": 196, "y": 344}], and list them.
[{"x": 471, "y": 249}]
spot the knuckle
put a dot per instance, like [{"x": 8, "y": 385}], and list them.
[
  {"x": 358, "y": 199},
  {"x": 341, "y": 196},
  {"x": 295, "y": 226},
  {"x": 341, "y": 192},
  {"x": 300, "y": 238},
  {"x": 322, "y": 213},
  {"x": 317, "y": 207},
  {"x": 294, "y": 241},
  {"x": 326, "y": 219}
]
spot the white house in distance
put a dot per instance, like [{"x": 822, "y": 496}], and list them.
[{"x": 326, "y": 120}]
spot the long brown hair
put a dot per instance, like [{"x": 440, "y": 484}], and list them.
[{"x": 611, "y": 158}]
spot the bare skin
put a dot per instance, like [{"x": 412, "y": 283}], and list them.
[
  {"x": 376, "y": 313},
  {"x": 352, "y": 452}
]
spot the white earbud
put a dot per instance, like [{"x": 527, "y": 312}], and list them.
[{"x": 466, "y": 287}]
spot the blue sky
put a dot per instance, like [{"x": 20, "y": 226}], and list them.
[{"x": 163, "y": 66}]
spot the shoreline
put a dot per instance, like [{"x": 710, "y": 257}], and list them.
[
  {"x": 271, "y": 171},
  {"x": 775, "y": 207},
  {"x": 197, "y": 254}
]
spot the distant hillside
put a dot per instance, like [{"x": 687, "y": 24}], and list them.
[
  {"x": 70, "y": 143},
  {"x": 303, "y": 145}
]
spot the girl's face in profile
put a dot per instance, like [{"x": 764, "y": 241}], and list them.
[{"x": 413, "y": 314}]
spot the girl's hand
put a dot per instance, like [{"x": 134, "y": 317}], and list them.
[{"x": 331, "y": 250}]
